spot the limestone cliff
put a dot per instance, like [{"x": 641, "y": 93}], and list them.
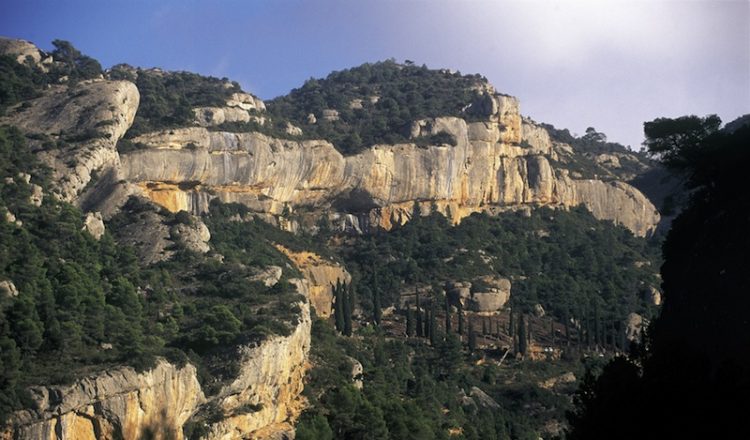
[
  {"x": 77, "y": 128},
  {"x": 115, "y": 404},
  {"x": 263, "y": 400},
  {"x": 320, "y": 275},
  {"x": 503, "y": 162}
]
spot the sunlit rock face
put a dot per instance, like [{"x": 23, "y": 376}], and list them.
[
  {"x": 502, "y": 162},
  {"x": 263, "y": 401},
  {"x": 77, "y": 129},
  {"x": 319, "y": 278}
]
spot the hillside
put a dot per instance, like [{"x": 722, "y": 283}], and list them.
[{"x": 181, "y": 259}]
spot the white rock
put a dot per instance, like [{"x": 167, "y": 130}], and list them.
[
  {"x": 94, "y": 225},
  {"x": 8, "y": 289},
  {"x": 37, "y": 195}
]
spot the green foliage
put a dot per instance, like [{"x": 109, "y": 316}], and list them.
[
  {"x": 71, "y": 63},
  {"x": 392, "y": 96},
  {"x": 414, "y": 391},
  {"x": 595, "y": 143},
  {"x": 680, "y": 143},
  {"x": 568, "y": 261},
  {"x": 19, "y": 82},
  {"x": 168, "y": 98}
]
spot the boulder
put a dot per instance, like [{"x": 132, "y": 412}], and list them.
[
  {"x": 8, "y": 289},
  {"x": 483, "y": 399},
  {"x": 37, "y": 195},
  {"x": 539, "y": 311},
  {"x": 489, "y": 294},
  {"x": 269, "y": 276},
  {"x": 653, "y": 296},
  {"x": 330, "y": 115},
  {"x": 357, "y": 372},
  {"x": 458, "y": 291},
  {"x": 634, "y": 325},
  {"x": 94, "y": 225},
  {"x": 246, "y": 101},
  {"x": 194, "y": 236}
]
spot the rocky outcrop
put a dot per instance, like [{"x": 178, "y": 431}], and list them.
[
  {"x": 8, "y": 289},
  {"x": 263, "y": 400},
  {"x": 117, "y": 404},
  {"x": 634, "y": 325},
  {"x": 488, "y": 168},
  {"x": 320, "y": 276},
  {"x": 266, "y": 397},
  {"x": 22, "y": 50},
  {"x": 94, "y": 225},
  {"x": 269, "y": 276},
  {"x": 193, "y": 236},
  {"x": 211, "y": 116},
  {"x": 489, "y": 294},
  {"x": 77, "y": 128}
]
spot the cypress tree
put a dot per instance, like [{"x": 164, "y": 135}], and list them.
[
  {"x": 420, "y": 328},
  {"x": 552, "y": 331},
  {"x": 512, "y": 325},
  {"x": 338, "y": 310},
  {"x": 409, "y": 322},
  {"x": 348, "y": 300},
  {"x": 460, "y": 318},
  {"x": 447, "y": 316},
  {"x": 522, "y": 341},
  {"x": 472, "y": 337},
  {"x": 433, "y": 323},
  {"x": 376, "y": 308},
  {"x": 427, "y": 324},
  {"x": 484, "y": 326}
]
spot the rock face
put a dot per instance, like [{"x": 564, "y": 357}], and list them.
[
  {"x": 85, "y": 121},
  {"x": 265, "y": 398},
  {"x": 498, "y": 164},
  {"x": 118, "y": 404},
  {"x": 21, "y": 49},
  {"x": 261, "y": 402},
  {"x": 320, "y": 275}
]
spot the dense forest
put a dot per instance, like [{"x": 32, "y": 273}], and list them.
[{"x": 572, "y": 264}]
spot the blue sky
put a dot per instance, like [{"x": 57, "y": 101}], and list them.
[{"x": 608, "y": 64}]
